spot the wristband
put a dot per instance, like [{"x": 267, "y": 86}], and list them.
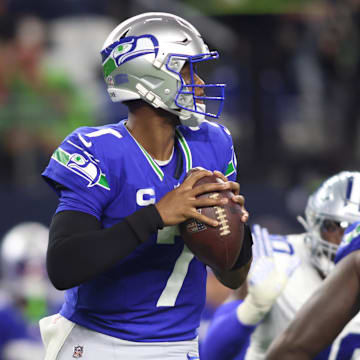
[{"x": 246, "y": 250}]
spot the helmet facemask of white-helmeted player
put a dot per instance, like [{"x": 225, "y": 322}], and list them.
[
  {"x": 331, "y": 208},
  {"x": 143, "y": 57}
]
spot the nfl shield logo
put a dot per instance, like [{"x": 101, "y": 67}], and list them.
[{"x": 78, "y": 352}]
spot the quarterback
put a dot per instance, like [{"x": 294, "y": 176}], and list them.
[
  {"x": 133, "y": 289},
  {"x": 286, "y": 272}
]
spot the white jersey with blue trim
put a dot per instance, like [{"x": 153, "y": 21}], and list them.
[
  {"x": 157, "y": 293},
  {"x": 300, "y": 287}
]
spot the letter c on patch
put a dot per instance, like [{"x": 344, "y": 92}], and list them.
[{"x": 145, "y": 197}]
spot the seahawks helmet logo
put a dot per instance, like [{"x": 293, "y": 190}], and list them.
[
  {"x": 122, "y": 49},
  {"x": 127, "y": 49},
  {"x": 132, "y": 47}
]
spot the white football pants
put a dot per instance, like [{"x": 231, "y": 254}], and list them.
[{"x": 64, "y": 340}]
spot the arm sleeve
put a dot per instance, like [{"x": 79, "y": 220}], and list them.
[
  {"x": 246, "y": 250},
  {"x": 79, "y": 249},
  {"x": 227, "y": 336}
]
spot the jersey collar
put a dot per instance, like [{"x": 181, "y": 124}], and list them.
[{"x": 156, "y": 168}]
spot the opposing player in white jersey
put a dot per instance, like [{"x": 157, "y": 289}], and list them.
[
  {"x": 133, "y": 289},
  {"x": 331, "y": 321},
  {"x": 286, "y": 272}
]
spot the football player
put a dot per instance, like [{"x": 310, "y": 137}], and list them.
[
  {"x": 278, "y": 285},
  {"x": 328, "y": 318},
  {"x": 134, "y": 291},
  {"x": 26, "y": 293}
]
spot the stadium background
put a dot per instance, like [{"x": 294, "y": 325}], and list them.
[{"x": 292, "y": 98}]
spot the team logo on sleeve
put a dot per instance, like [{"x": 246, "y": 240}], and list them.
[
  {"x": 83, "y": 164},
  {"x": 87, "y": 168}
]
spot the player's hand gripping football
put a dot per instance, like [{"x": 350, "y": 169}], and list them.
[
  {"x": 265, "y": 280},
  {"x": 181, "y": 203},
  {"x": 237, "y": 198}
]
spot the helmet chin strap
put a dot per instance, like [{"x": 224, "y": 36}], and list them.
[{"x": 190, "y": 118}]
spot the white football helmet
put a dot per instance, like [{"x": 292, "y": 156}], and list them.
[
  {"x": 335, "y": 203},
  {"x": 142, "y": 59},
  {"x": 23, "y": 269}
]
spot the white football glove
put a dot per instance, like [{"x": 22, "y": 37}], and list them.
[{"x": 265, "y": 280}]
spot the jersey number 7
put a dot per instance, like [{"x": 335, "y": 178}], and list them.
[{"x": 176, "y": 279}]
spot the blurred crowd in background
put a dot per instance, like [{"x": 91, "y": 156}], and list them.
[{"x": 292, "y": 73}]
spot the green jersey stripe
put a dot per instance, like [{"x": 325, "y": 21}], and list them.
[
  {"x": 184, "y": 146},
  {"x": 186, "y": 149},
  {"x": 154, "y": 165},
  {"x": 61, "y": 156}
]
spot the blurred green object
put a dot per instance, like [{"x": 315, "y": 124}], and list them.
[
  {"x": 229, "y": 7},
  {"x": 50, "y": 108},
  {"x": 35, "y": 309}
]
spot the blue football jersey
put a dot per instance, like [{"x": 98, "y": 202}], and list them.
[{"x": 157, "y": 293}]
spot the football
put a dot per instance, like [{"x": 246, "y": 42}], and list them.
[{"x": 218, "y": 247}]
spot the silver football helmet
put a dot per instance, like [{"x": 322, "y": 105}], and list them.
[
  {"x": 142, "y": 59},
  {"x": 336, "y": 203}
]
